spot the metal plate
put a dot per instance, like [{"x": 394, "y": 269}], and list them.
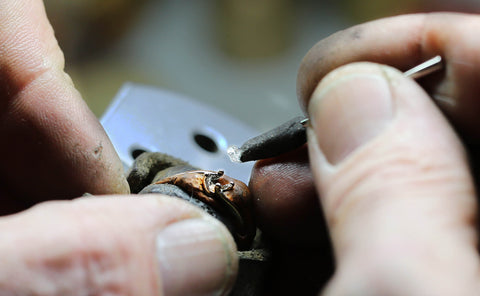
[{"x": 151, "y": 119}]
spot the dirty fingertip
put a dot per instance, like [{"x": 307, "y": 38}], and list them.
[{"x": 196, "y": 257}]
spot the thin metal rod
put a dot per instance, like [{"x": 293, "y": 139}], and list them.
[{"x": 432, "y": 65}]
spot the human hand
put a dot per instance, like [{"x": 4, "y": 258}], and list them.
[
  {"x": 148, "y": 245},
  {"x": 392, "y": 176},
  {"x": 54, "y": 148}
]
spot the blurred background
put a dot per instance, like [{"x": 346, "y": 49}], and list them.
[{"x": 238, "y": 55}]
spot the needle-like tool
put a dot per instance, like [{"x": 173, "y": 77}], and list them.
[{"x": 292, "y": 134}]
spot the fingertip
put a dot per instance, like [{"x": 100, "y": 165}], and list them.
[
  {"x": 138, "y": 245},
  {"x": 285, "y": 202},
  {"x": 349, "y": 107},
  {"x": 196, "y": 257},
  {"x": 55, "y": 141},
  {"x": 387, "y": 164}
]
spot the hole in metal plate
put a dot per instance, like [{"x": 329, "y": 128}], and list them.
[
  {"x": 206, "y": 143},
  {"x": 136, "y": 151}
]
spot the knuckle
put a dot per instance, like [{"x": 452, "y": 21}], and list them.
[{"x": 81, "y": 250}]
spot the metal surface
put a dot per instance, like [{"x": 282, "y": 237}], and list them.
[
  {"x": 150, "y": 119},
  {"x": 432, "y": 65}
]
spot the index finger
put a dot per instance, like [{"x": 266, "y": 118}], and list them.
[
  {"x": 403, "y": 42},
  {"x": 54, "y": 146}
]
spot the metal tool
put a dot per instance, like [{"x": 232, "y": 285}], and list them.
[
  {"x": 292, "y": 134},
  {"x": 147, "y": 119},
  {"x": 432, "y": 65}
]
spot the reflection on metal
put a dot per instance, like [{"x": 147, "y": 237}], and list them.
[
  {"x": 432, "y": 65},
  {"x": 143, "y": 118}
]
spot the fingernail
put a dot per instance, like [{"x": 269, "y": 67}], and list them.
[
  {"x": 196, "y": 257},
  {"x": 348, "y": 110}
]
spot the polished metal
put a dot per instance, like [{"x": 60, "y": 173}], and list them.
[
  {"x": 432, "y": 65},
  {"x": 144, "y": 118}
]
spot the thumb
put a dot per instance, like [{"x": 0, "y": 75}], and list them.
[
  {"x": 116, "y": 245},
  {"x": 394, "y": 185}
]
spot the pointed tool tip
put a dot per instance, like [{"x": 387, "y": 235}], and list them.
[{"x": 235, "y": 154}]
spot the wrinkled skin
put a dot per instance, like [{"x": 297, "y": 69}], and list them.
[
  {"x": 401, "y": 210},
  {"x": 54, "y": 148},
  {"x": 235, "y": 192},
  {"x": 440, "y": 218}
]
